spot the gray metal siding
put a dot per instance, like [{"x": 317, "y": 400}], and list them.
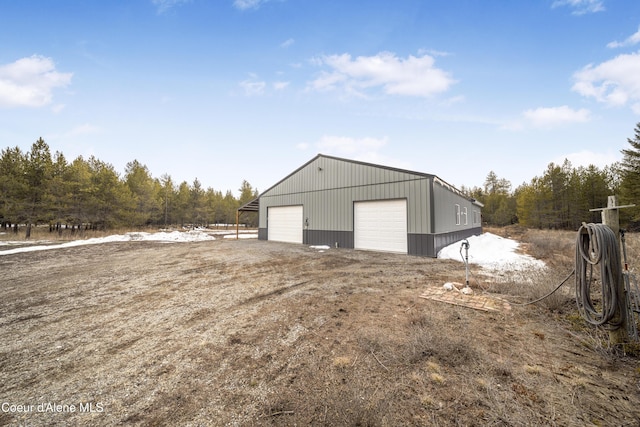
[
  {"x": 431, "y": 244},
  {"x": 328, "y": 173},
  {"x": 328, "y": 187},
  {"x": 333, "y": 209},
  {"x": 444, "y": 207},
  {"x": 421, "y": 244},
  {"x": 445, "y": 239},
  {"x": 340, "y": 239}
]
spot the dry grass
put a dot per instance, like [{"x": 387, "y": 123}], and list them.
[
  {"x": 42, "y": 233},
  {"x": 258, "y": 333},
  {"x": 557, "y": 250}
]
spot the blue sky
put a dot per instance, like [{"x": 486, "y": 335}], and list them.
[{"x": 227, "y": 90}]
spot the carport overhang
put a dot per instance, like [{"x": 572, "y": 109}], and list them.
[{"x": 251, "y": 206}]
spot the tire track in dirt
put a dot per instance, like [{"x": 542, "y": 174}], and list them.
[{"x": 232, "y": 332}]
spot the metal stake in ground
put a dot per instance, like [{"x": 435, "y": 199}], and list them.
[{"x": 465, "y": 245}]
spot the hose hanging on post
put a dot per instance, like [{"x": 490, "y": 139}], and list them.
[{"x": 598, "y": 244}]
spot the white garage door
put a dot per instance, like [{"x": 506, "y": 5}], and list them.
[
  {"x": 381, "y": 225},
  {"x": 284, "y": 224}
]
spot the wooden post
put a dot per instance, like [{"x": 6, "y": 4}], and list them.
[
  {"x": 611, "y": 218},
  {"x": 237, "y": 224}
]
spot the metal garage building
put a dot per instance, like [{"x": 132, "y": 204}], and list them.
[{"x": 352, "y": 204}]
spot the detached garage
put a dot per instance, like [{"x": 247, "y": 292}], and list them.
[{"x": 352, "y": 204}]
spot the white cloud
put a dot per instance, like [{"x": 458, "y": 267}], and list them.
[
  {"x": 615, "y": 82},
  {"x": 632, "y": 40},
  {"x": 411, "y": 76},
  {"x": 280, "y": 85},
  {"x": 58, "y": 108},
  {"x": 556, "y": 116},
  {"x": 253, "y": 87},
  {"x": 29, "y": 82},
  {"x": 287, "y": 43},
  {"x": 434, "y": 52},
  {"x": 164, "y": 5},
  {"x": 248, "y": 4},
  {"x": 581, "y": 7},
  {"x": 586, "y": 158}
]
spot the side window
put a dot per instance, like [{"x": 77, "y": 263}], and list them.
[
  {"x": 464, "y": 214},
  {"x": 457, "y": 214}
]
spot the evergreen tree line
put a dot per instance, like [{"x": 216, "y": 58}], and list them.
[
  {"x": 38, "y": 188},
  {"x": 562, "y": 197}
]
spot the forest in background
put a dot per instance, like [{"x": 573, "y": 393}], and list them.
[
  {"x": 561, "y": 198},
  {"x": 37, "y": 187}
]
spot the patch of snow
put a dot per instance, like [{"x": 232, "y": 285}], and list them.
[
  {"x": 163, "y": 236},
  {"x": 231, "y": 230},
  {"x": 241, "y": 235},
  {"x": 321, "y": 248},
  {"x": 492, "y": 252},
  {"x": 23, "y": 242}
]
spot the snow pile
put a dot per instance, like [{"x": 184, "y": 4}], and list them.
[
  {"x": 163, "y": 236},
  {"x": 22, "y": 242},
  {"x": 492, "y": 252},
  {"x": 241, "y": 235},
  {"x": 230, "y": 233}
]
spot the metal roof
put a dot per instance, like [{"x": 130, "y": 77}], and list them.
[{"x": 252, "y": 206}]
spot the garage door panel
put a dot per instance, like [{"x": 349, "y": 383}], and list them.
[
  {"x": 381, "y": 225},
  {"x": 285, "y": 224}
]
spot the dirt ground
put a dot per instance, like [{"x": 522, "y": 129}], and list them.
[{"x": 249, "y": 332}]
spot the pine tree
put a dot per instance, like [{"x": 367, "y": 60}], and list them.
[
  {"x": 80, "y": 190},
  {"x": 59, "y": 187},
  {"x": 182, "y": 198},
  {"x": 630, "y": 173},
  {"x": 499, "y": 204},
  {"x": 38, "y": 174},
  {"x": 230, "y": 204},
  {"x": 145, "y": 192},
  {"x": 247, "y": 194},
  {"x": 13, "y": 185},
  {"x": 197, "y": 204},
  {"x": 167, "y": 198}
]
